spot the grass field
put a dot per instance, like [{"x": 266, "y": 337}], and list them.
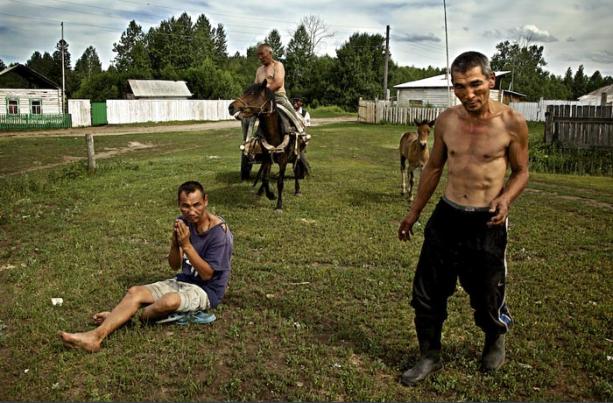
[{"x": 317, "y": 307}]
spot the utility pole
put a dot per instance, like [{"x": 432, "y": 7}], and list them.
[
  {"x": 63, "y": 75},
  {"x": 447, "y": 50},
  {"x": 387, "y": 57}
]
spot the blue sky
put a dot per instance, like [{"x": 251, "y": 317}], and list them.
[{"x": 572, "y": 32}]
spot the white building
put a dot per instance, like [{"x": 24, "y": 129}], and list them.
[
  {"x": 433, "y": 91},
  {"x": 595, "y": 97}
]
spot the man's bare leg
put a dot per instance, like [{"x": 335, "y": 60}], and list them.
[
  {"x": 129, "y": 305},
  {"x": 164, "y": 306}
]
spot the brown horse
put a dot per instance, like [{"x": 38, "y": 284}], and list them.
[
  {"x": 277, "y": 147},
  {"x": 414, "y": 148}
]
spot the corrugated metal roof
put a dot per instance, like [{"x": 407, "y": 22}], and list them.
[
  {"x": 596, "y": 94},
  {"x": 159, "y": 88},
  {"x": 439, "y": 81}
]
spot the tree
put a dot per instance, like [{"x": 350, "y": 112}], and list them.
[
  {"x": 220, "y": 48},
  {"x": 131, "y": 50},
  {"x": 209, "y": 82},
  {"x": 88, "y": 64},
  {"x": 203, "y": 42},
  {"x": 526, "y": 65},
  {"x": 596, "y": 81},
  {"x": 274, "y": 40},
  {"x": 579, "y": 87},
  {"x": 317, "y": 30},
  {"x": 2, "y": 65},
  {"x": 322, "y": 90},
  {"x": 298, "y": 61},
  {"x": 181, "y": 47},
  {"x": 42, "y": 64},
  {"x": 359, "y": 71}
]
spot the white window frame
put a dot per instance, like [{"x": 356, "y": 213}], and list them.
[{"x": 8, "y": 105}]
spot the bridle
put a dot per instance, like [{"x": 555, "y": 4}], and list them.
[{"x": 255, "y": 110}]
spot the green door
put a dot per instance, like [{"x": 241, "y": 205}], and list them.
[{"x": 99, "y": 113}]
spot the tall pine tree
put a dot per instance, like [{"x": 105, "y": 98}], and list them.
[
  {"x": 298, "y": 62},
  {"x": 274, "y": 40}
]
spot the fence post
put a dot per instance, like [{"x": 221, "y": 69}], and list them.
[
  {"x": 91, "y": 156},
  {"x": 603, "y": 99}
]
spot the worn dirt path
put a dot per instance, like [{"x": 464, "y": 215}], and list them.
[{"x": 120, "y": 130}]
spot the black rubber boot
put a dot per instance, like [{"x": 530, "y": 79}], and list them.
[
  {"x": 429, "y": 357},
  {"x": 493, "y": 352}
]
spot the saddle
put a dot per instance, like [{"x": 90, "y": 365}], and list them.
[{"x": 255, "y": 143}]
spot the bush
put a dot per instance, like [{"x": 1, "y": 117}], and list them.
[{"x": 554, "y": 159}]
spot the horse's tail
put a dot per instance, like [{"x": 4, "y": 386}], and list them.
[
  {"x": 258, "y": 176},
  {"x": 302, "y": 168}
]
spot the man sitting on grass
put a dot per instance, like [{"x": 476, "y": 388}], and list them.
[{"x": 202, "y": 245}]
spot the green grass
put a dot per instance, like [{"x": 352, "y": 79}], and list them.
[
  {"x": 345, "y": 335},
  {"x": 329, "y": 112}
]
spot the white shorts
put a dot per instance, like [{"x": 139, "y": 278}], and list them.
[{"x": 193, "y": 298}]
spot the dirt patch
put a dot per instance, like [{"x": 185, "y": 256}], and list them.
[
  {"x": 108, "y": 153},
  {"x": 588, "y": 201},
  {"x": 120, "y": 130}
]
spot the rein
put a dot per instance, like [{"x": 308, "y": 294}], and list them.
[{"x": 255, "y": 110}]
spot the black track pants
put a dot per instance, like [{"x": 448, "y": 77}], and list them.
[{"x": 458, "y": 243}]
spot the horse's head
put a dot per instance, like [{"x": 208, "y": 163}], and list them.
[
  {"x": 423, "y": 131},
  {"x": 256, "y": 99}
]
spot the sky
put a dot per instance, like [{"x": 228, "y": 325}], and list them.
[{"x": 572, "y": 32}]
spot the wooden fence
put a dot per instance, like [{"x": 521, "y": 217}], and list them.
[
  {"x": 535, "y": 111},
  {"x": 574, "y": 126},
  {"x": 392, "y": 112},
  {"x": 154, "y": 110},
  {"x": 121, "y": 111},
  {"x": 80, "y": 110}
]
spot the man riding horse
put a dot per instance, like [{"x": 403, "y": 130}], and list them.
[{"x": 273, "y": 72}]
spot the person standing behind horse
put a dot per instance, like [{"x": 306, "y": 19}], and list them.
[
  {"x": 300, "y": 110},
  {"x": 273, "y": 72},
  {"x": 466, "y": 235}
]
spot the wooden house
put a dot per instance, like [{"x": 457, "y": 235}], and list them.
[
  {"x": 25, "y": 91},
  {"x": 597, "y": 96},
  {"x": 29, "y": 100}
]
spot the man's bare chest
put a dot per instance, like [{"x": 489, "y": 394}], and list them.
[{"x": 484, "y": 142}]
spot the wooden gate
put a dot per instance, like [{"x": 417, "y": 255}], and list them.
[
  {"x": 99, "y": 114},
  {"x": 575, "y": 126}
]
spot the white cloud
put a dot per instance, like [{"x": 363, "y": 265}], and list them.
[{"x": 532, "y": 33}]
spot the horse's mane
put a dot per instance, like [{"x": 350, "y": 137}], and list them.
[{"x": 256, "y": 88}]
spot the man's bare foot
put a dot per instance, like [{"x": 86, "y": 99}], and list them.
[
  {"x": 100, "y": 317},
  {"x": 87, "y": 341}
]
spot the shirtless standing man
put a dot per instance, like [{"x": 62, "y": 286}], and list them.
[{"x": 466, "y": 235}]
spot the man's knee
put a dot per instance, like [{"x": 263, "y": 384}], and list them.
[
  {"x": 139, "y": 293},
  {"x": 170, "y": 301}
]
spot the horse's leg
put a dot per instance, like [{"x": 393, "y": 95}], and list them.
[
  {"x": 298, "y": 172},
  {"x": 261, "y": 174},
  {"x": 280, "y": 181},
  {"x": 269, "y": 194},
  {"x": 403, "y": 174},
  {"x": 411, "y": 176},
  {"x": 297, "y": 191}
]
